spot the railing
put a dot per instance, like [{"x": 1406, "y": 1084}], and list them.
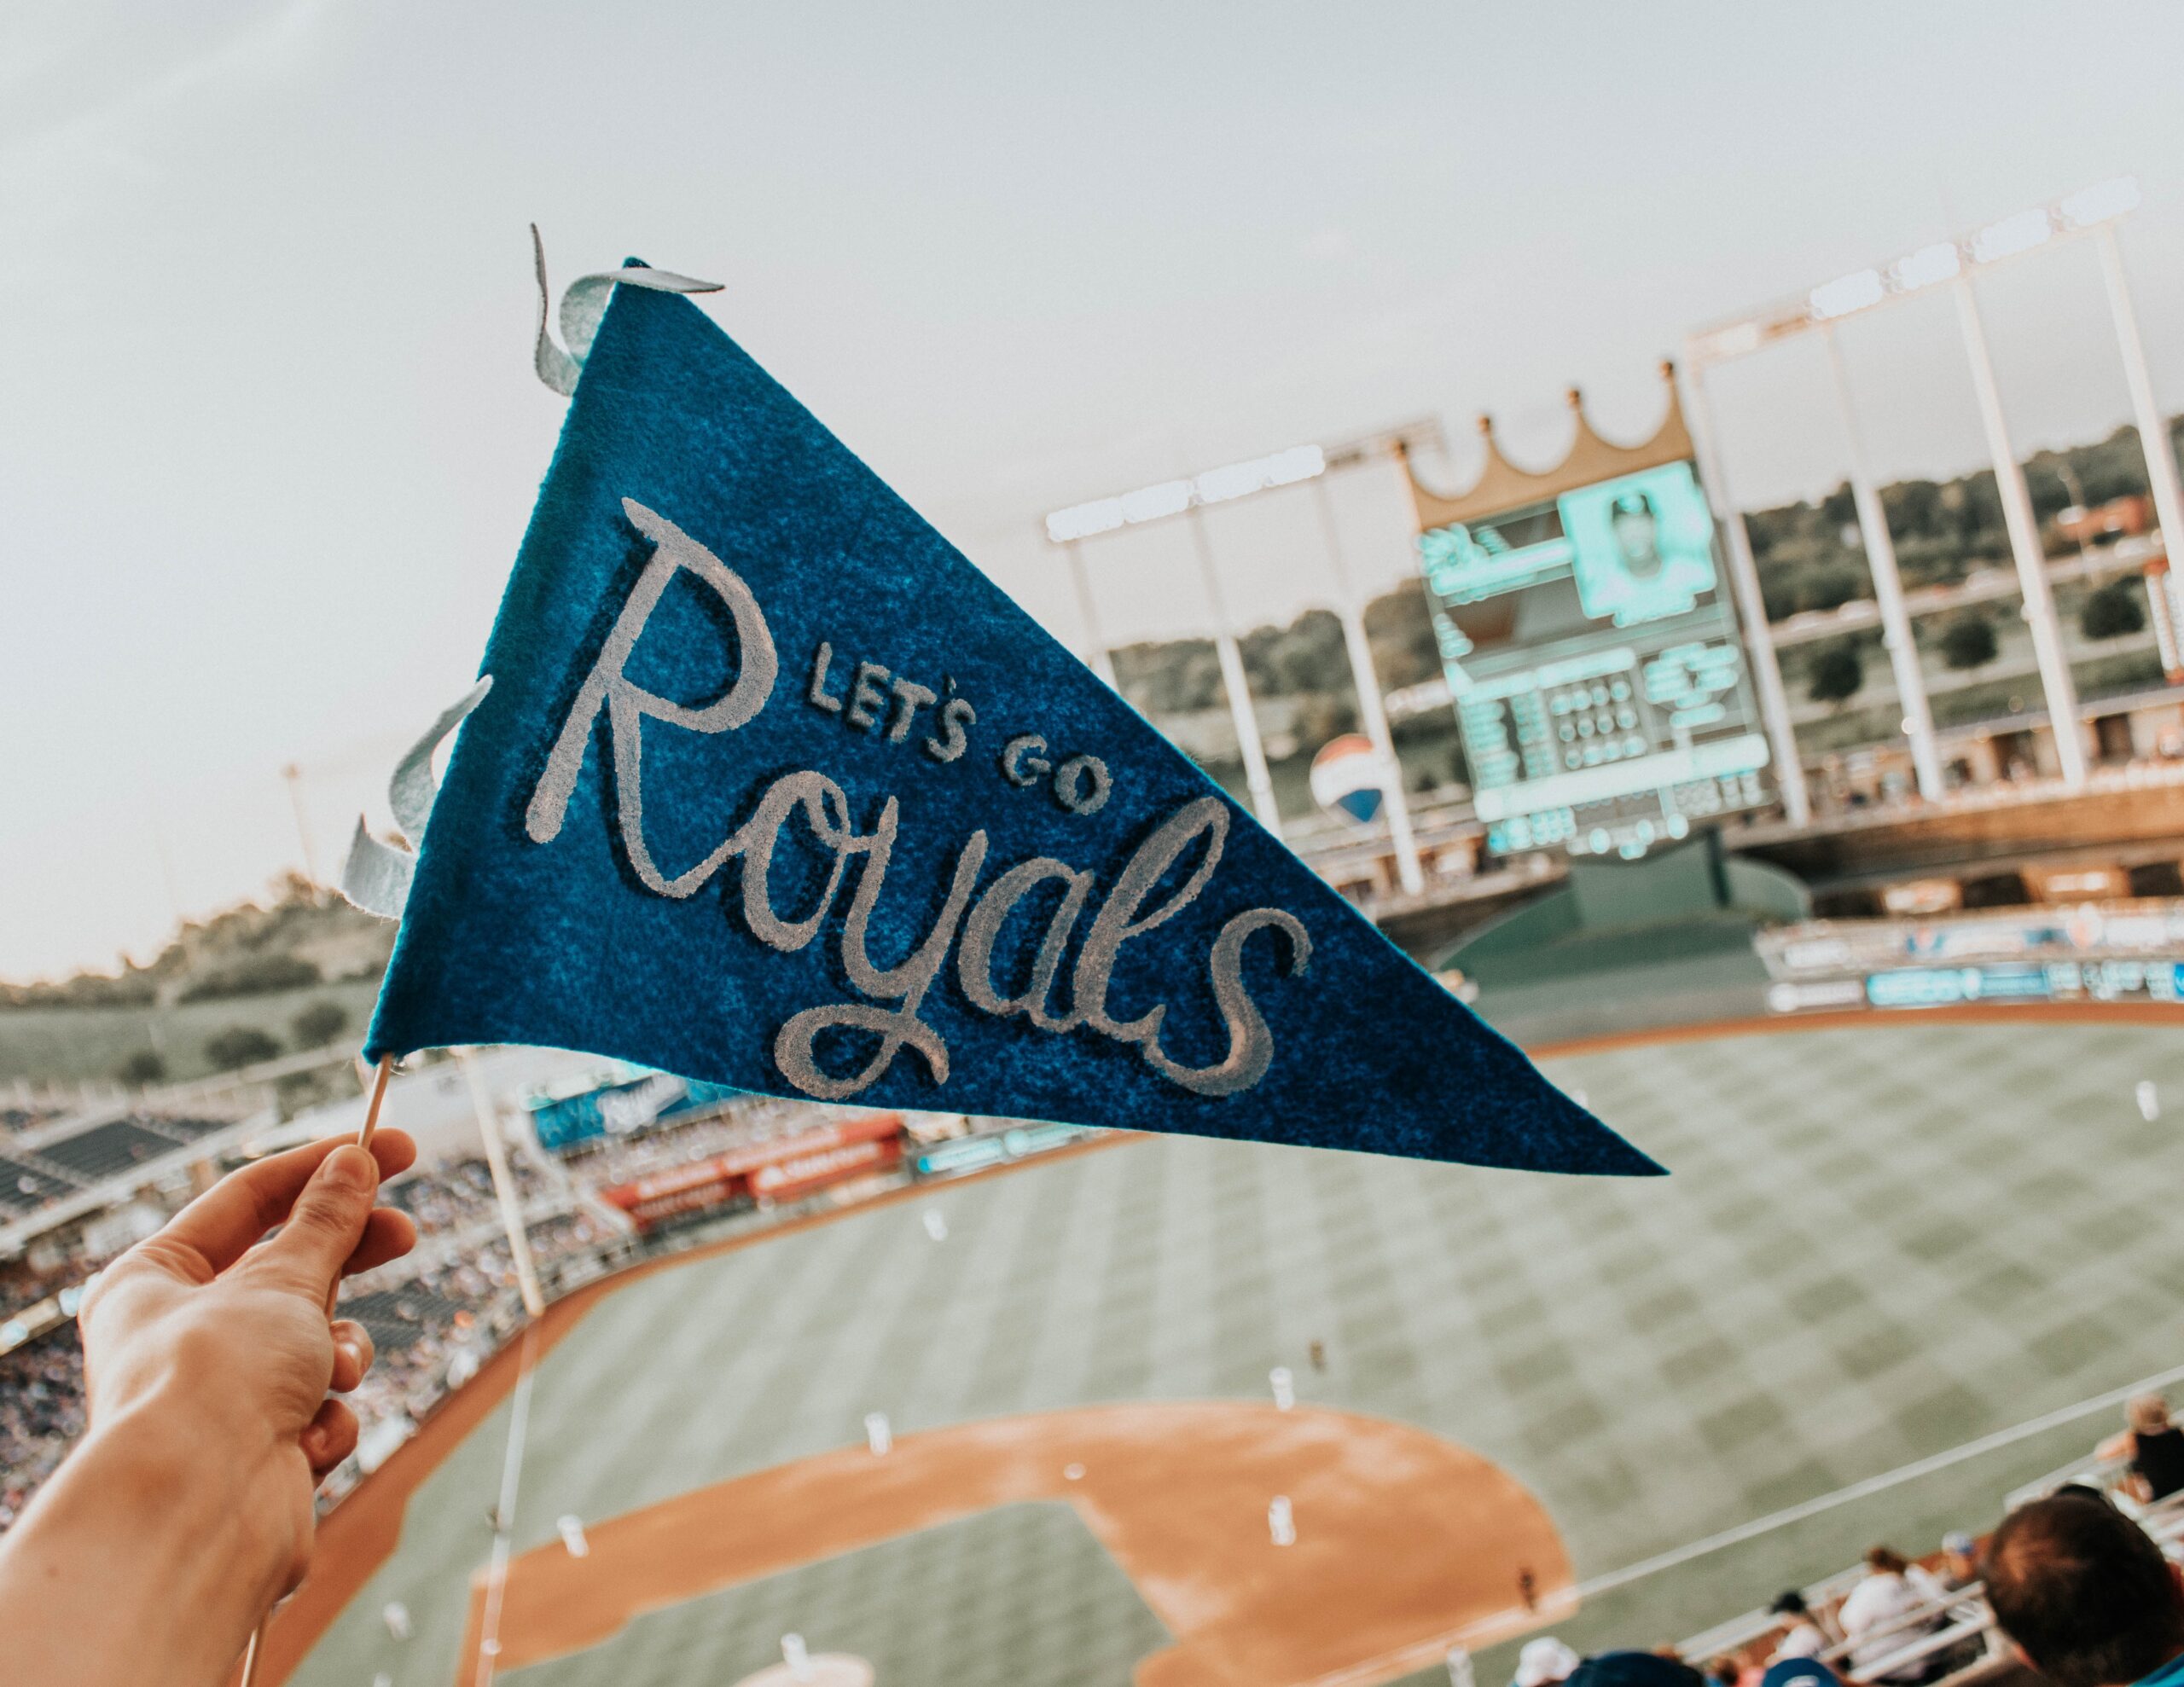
[
  {"x": 1963, "y": 1615},
  {"x": 2090, "y": 1470},
  {"x": 113, "y": 1190},
  {"x": 1948, "y": 1619}
]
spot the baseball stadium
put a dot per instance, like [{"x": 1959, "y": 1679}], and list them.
[
  {"x": 1899, "y": 1271},
  {"x": 1778, "y": 743}
]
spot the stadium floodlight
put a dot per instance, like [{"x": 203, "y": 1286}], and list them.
[
  {"x": 1150, "y": 503},
  {"x": 1173, "y": 497},
  {"x": 1283, "y": 468},
  {"x": 1925, "y": 267},
  {"x": 1733, "y": 341},
  {"x": 2012, "y": 235},
  {"x": 2101, "y": 203},
  {"x": 2090, "y": 211},
  {"x": 1082, "y": 521},
  {"x": 1846, "y": 293}
]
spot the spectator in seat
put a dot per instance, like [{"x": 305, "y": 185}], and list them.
[
  {"x": 186, "y": 1510},
  {"x": 2154, "y": 1445},
  {"x": 1636, "y": 1669},
  {"x": 1960, "y": 1562},
  {"x": 1889, "y": 1590},
  {"x": 1724, "y": 1672},
  {"x": 1804, "y": 1639},
  {"x": 1798, "y": 1672},
  {"x": 2085, "y": 1595},
  {"x": 1545, "y": 1662}
]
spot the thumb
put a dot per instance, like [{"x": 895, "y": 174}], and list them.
[{"x": 326, "y": 1224}]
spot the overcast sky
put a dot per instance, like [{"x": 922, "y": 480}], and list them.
[{"x": 269, "y": 433}]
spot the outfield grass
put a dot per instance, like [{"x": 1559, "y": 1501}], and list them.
[{"x": 1878, "y": 1244}]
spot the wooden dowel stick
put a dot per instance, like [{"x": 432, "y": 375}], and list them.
[
  {"x": 379, "y": 1094},
  {"x": 253, "y": 1652}
]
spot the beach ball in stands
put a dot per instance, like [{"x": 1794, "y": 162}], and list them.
[{"x": 1346, "y": 778}]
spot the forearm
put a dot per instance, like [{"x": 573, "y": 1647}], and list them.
[{"x": 139, "y": 1564}]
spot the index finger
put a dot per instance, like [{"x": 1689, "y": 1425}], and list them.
[{"x": 222, "y": 1225}]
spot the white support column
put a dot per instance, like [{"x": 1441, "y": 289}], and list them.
[
  {"x": 1232, "y": 681},
  {"x": 2153, "y": 431},
  {"x": 1097, "y": 656},
  {"x": 496, "y": 1161},
  {"x": 1888, "y": 590},
  {"x": 1370, "y": 708},
  {"x": 1751, "y": 606},
  {"x": 2055, "y": 679}
]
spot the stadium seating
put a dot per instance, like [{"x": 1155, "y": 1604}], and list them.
[
  {"x": 23, "y": 1189},
  {"x": 104, "y": 1149},
  {"x": 433, "y": 1328},
  {"x": 396, "y": 1318}
]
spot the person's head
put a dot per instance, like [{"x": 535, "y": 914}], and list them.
[
  {"x": 1635, "y": 1669},
  {"x": 2085, "y": 1594},
  {"x": 2146, "y": 1414},
  {"x": 1637, "y": 534},
  {"x": 1956, "y": 1547},
  {"x": 1545, "y": 1662},
  {"x": 1884, "y": 1561},
  {"x": 1790, "y": 1604}
]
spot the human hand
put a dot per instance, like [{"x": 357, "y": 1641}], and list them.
[{"x": 211, "y": 1344}]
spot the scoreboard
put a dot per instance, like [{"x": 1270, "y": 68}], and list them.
[{"x": 1597, "y": 678}]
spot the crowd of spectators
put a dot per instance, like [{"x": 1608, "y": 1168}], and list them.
[
  {"x": 427, "y": 1318},
  {"x": 434, "y": 1328},
  {"x": 17, "y": 1116},
  {"x": 2085, "y": 1585},
  {"x": 22, "y": 1283},
  {"x": 2074, "y": 1581},
  {"x": 41, "y": 1415},
  {"x": 621, "y": 1159},
  {"x": 456, "y": 1195}
]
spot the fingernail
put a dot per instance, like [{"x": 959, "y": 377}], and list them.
[{"x": 349, "y": 1167}]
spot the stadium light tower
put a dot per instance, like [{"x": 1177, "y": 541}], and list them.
[
  {"x": 2091, "y": 212},
  {"x": 1070, "y": 527},
  {"x": 2054, "y": 663},
  {"x": 295, "y": 777},
  {"x": 1888, "y": 588},
  {"x": 1088, "y": 611},
  {"x": 1752, "y": 603},
  {"x": 1232, "y": 678},
  {"x": 2153, "y": 430}
]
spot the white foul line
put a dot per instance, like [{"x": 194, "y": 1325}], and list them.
[{"x": 489, "y": 1626}]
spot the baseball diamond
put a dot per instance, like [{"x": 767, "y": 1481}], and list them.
[{"x": 1880, "y": 1242}]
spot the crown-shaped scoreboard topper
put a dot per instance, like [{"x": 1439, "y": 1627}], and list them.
[{"x": 771, "y": 787}]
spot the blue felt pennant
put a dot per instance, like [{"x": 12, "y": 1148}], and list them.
[{"x": 773, "y": 789}]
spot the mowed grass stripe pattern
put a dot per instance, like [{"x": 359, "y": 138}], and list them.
[{"x": 1877, "y": 1243}]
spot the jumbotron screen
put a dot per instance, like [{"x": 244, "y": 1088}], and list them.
[{"x": 1594, "y": 663}]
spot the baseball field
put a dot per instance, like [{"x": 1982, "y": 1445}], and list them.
[{"x": 1621, "y": 1410}]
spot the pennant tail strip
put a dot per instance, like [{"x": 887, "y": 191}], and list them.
[{"x": 375, "y": 876}]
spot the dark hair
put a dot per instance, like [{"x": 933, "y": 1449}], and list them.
[
  {"x": 1886, "y": 1560},
  {"x": 2084, "y": 1592},
  {"x": 1791, "y": 1603}
]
